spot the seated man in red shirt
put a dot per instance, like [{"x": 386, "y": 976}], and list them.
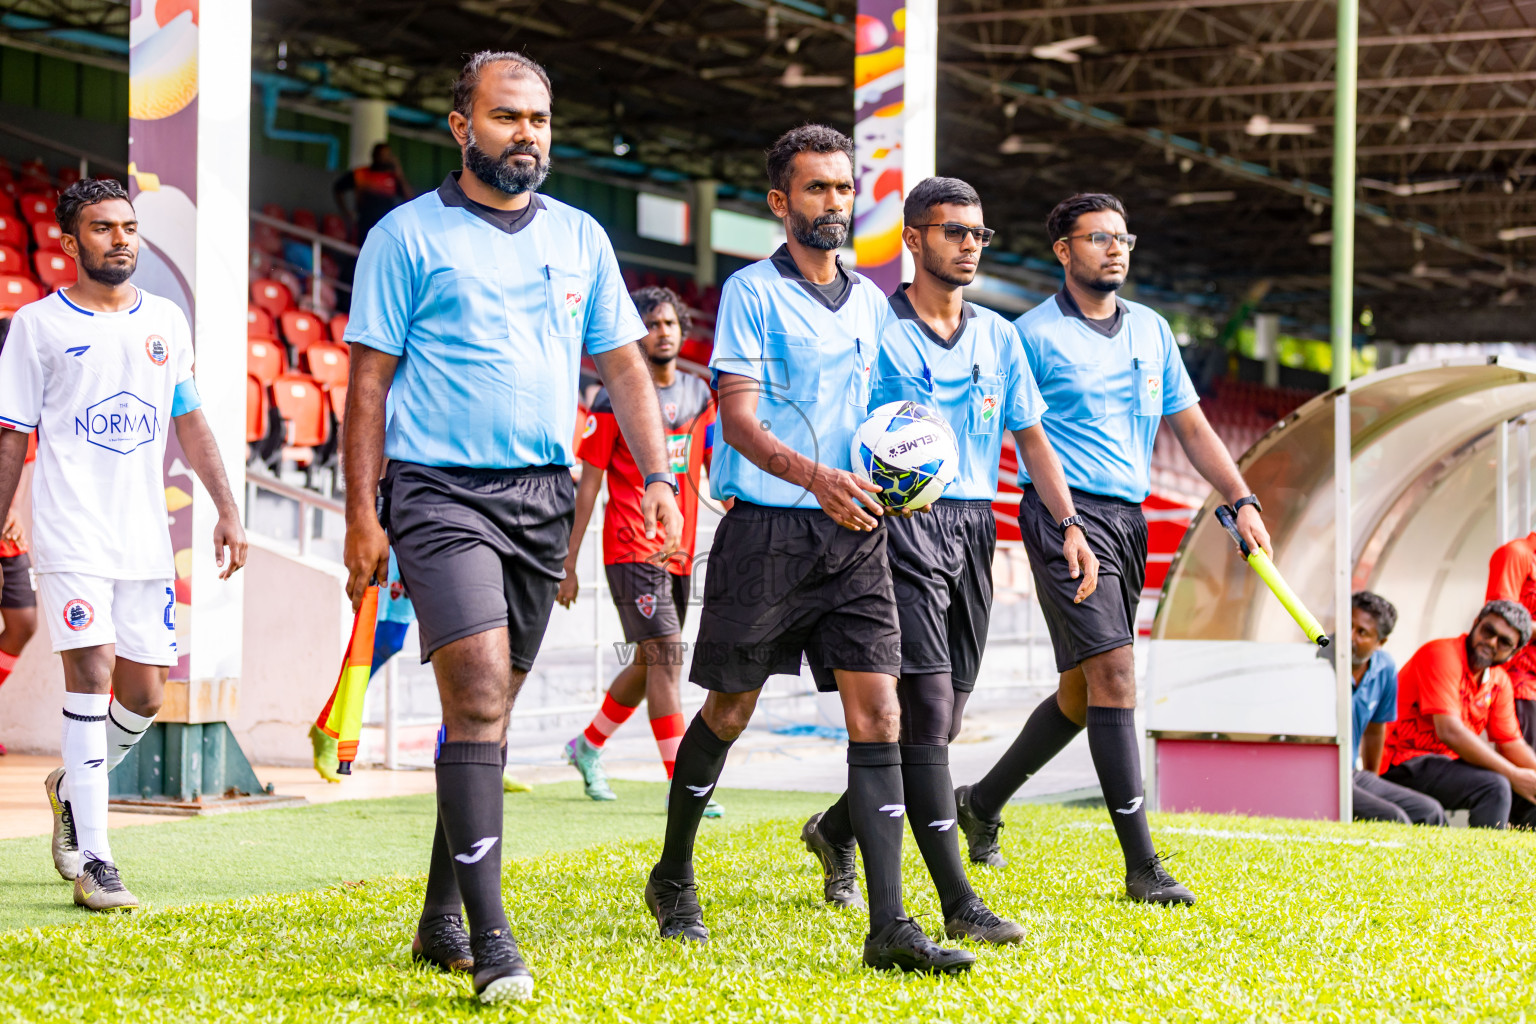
[
  {"x": 1448, "y": 694},
  {"x": 1512, "y": 577}
]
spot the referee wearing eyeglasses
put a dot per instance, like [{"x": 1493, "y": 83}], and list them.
[{"x": 1109, "y": 371}]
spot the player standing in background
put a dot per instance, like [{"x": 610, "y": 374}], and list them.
[
  {"x": 1109, "y": 371},
  {"x": 1512, "y": 577},
  {"x": 18, "y": 600},
  {"x": 795, "y": 340},
  {"x": 964, "y": 363},
  {"x": 376, "y": 190},
  {"x": 472, "y": 307},
  {"x": 651, "y": 596},
  {"x": 103, "y": 368}
]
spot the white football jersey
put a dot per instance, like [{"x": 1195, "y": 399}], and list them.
[{"x": 100, "y": 389}]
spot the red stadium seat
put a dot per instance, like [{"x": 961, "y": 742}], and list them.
[
  {"x": 17, "y": 291},
  {"x": 339, "y": 328},
  {"x": 36, "y": 207},
  {"x": 54, "y": 269},
  {"x": 305, "y": 219},
  {"x": 67, "y": 176},
  {"x": 258, "y": 323},
  {"x": 274, "y": 211},
  {"x": 272, "y": 296},
  {"x": 327, "y": 364},
  {"x": 301, "y": 329},
  {"x": 47, "y": 234},
  {"x": 267, "y": 239},
  {"x": 332, "y": 226},
  {"x": 255, "y": 410},
  {"x": 265, "y": 360},
  {"x": 13, "y": 262},
  {"x": 13, "y": 231},
  {"x": 301, "y": 403}
]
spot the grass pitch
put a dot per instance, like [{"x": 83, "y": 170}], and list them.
[{"x": 1297, "y": 921}]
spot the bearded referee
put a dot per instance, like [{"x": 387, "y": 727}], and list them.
[
  {"x": 472, "y": 306},
  {"x": 798, "y": 564},
  {"x": 1110, "y": 372},
  {"x": 964, "y": 363}
]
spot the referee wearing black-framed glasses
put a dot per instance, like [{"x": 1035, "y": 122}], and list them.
[{"x": 1109, "y": 371}]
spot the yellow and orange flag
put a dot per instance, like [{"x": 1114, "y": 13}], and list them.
[{"x": 342, "y": 717}]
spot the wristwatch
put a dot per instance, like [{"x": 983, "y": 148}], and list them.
[
  {"x": 670, "y": 479},
  {"x": 1252, "y": 499},
  {"x": 1077, "y": 521}
]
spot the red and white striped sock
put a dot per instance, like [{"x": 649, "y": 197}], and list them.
[
  {"x": 668, "y": 730},
  {"x": 7, "y": 662},
  {"x": 607, "y": 721}
]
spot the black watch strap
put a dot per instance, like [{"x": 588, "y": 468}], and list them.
[
  {"x": 670, "y": 479},
  {"x": 1077, "y": 521},
  {"x": 1252, "y": 499}
]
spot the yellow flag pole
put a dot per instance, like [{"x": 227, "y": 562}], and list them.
[{"x": 1267, "y": 572}]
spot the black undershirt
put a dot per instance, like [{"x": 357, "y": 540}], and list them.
[{"x": 510, "y": 220}]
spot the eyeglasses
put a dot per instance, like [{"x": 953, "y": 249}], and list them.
[
  {"x": 956, "y": 232},
  {"x": 1490, "y": 635},
  {"x": 1100, "y": 239}
]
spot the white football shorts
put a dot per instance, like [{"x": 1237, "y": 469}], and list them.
[{"x": 139, "y": 616}]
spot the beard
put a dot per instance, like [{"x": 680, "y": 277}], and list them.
[
  {"x": 827, "y": 232},
  {"x": 501, "y": 173},
  {"x": 661, "y": 360},
  {"x": 1096, "y": 280},
  {"x": 103, "y": 273},
  {"x": 946, "y": 272}
]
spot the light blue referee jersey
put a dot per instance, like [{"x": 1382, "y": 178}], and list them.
[
  {"x": 812, "y": 356},
  {"x": 1106, "y": 392},
  {"x": 489, "y": 313},
  {"x": 978, "y": 380}
]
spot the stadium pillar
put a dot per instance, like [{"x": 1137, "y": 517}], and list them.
[
  {"x": 189, "y": 161},
  {"x": 370, "y": 126},
  {"x": 895, "y": 113},
  {"x": 1343, "y": 304},
  {"x": 705, "y": 191},
  {"x": 1266, "y": 331},
  {"x": 1343, "y": 587}
]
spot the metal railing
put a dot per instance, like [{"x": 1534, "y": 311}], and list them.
[
  {"x": 310, "y": 503},
  {"x": 85, "y": 156},
  {"x": 317, "y": 242}
]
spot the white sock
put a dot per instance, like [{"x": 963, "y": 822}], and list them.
[
  {"x": 124, "y": 729},
  {"x": 85, "y": 767}
]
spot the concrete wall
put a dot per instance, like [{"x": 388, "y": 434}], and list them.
[{"x": 297, "y": 622}]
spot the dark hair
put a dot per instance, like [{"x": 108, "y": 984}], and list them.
[
  {"x": 931, "y": 192},
  {"x": 83, "y": 193},
  {"x": 808, "y": 138},
  {"x": 1063, "y": 219},
  {"x": 1518, "y": 618},
  {"x": 469, "y": 79},
  {"x": 376, "y": 147},
  {"x": 647, "y": 299},
  {"x": 1378, "y": 608}
]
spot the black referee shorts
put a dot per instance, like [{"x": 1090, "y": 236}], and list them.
[
  {"x": 941, "y": 563},
  {"x": 16, "y": 586},
  {"x": 480, "y": 549},
  {"x": 651, "y": 601},
  {"x": 783, "y": 582},
  {"x": 1117, "y": 534}
]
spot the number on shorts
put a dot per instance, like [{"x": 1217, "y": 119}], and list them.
[{"x": 170, "y": 609}]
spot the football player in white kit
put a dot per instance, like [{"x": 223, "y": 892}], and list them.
[{"x": 100, "y": 370}]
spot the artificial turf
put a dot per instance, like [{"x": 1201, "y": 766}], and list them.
[{"x": 1296, "y": 921}]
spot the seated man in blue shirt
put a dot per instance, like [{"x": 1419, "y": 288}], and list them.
[{"x": 1375, "y": 704}]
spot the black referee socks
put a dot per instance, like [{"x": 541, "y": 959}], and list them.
[
  {"x": 930, "y": 796},
  {"x": 469, "y": 809},
  {"x": 1045, "y": 735},
  {"x": 878, "y": 809},
  {"x": 442, "y": 896},
  {"x": 1117, "y": 759},
  {"x": 700, "y": 760}
]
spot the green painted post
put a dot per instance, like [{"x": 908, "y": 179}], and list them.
[{"x": 1343, "y": 298}]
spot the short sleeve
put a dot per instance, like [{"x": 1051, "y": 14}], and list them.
[
  {"x": 383, "y": 294},
  {"x": 1178, "y": 390},
  {"x": 21, "y": 378},
  {"x": 598, "y": 437},
  {"x": 612, "y": 320},
  {"x": 1025, "y": 404},
  {"x": 1386, "y": 707},
  {"x": 185, "y": 353},
  {"x": 1508, "y": 570},
  {"x": 738, "y": 334},
  {"x": 1503, "y": 726},
  {"x": 1438, "y": 672}
]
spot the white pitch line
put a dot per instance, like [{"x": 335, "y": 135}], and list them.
[{"x": 1267, "y": 837}]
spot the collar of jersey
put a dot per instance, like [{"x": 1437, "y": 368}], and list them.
[
  {"x": 788, "y": 269},
  {"x": 92, "y": 312},
  {"x": 902, "y": 307},
  {"x": 1069, "y": 308},
  {"x": 452, "y": 194}
]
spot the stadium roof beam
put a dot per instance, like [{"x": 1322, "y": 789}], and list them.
[
  {"x": 1249, "y": 49},
  {"x": 1112, "y": 7},
  {"x": 1497, "y": 78}
]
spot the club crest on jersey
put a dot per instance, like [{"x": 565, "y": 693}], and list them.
[
  {"x": 79, "y": 615},
  {"x": 157, "y": 349},
  {"x": 677, "y": 452},
  {"x": 573, "y": 303},
  {"x": 1154, "y": 388},
  {"x": 671, "y": 410},
  {"x": 591, "y": 427},
  {"x": 647, "y": 604},
  {"x": 988, "y": 407},
  {"x": 120, "y": 423}
]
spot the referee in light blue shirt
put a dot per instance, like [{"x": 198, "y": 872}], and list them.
[
  {"x": 798, "y": 565},
  {"x": 1110, "y": 372},
  {"x": 965, "y": 364},
  {"x": 471, "y": 308}
]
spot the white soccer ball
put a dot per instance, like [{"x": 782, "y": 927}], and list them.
[{"x": 908, "y": 452}]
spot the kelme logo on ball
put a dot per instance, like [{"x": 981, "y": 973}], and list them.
[
  {"x": 988, "y": 407},
  {"x": 157, "y": 349}
]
